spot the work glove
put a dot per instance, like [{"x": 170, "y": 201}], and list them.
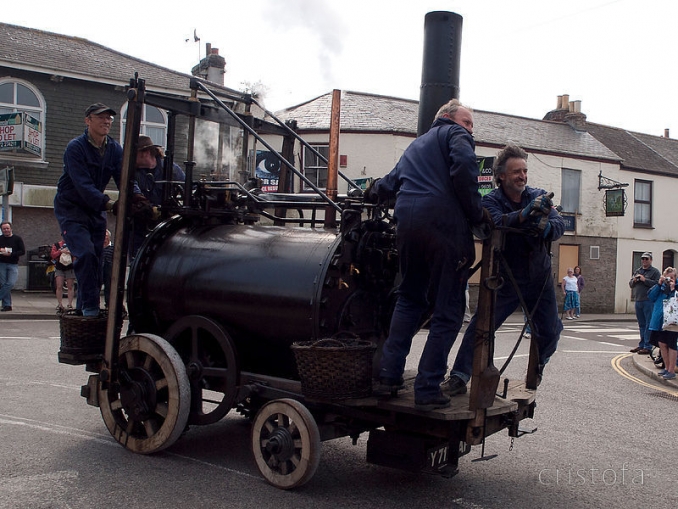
[
  {"x": 546, "y": 229},
  {"x": 370, "y": 195},
  {"x": 483, "y": 230},
  {"x": 541, "y": 205},
  {"x": 141, "y": 208},
  {"x": 112, "y": 206}
]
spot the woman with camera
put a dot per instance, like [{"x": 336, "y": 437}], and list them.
[{"x": 667, "y": 340}]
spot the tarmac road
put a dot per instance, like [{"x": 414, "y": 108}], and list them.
[{"x": 600, "y": 421}]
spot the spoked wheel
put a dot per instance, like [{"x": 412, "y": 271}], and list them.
[
  {"x": 211, "y": 365},
  {"x": 146, "y": 408},
  {"x": 286, "y": 443}
]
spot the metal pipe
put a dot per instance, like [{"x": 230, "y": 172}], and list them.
[
  {"x": 304, "y": 143},
  {"x": 267, "y": 145}
]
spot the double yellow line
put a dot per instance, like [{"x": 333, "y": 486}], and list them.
[{"x": 616, "y": 364}]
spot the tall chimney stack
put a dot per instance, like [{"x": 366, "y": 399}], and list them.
[{"x": 440, "y": 66}]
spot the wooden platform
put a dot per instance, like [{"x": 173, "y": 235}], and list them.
[{"x": 516, "y": 395}]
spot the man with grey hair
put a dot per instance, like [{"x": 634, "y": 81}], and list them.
[
  {"x": 435, "y": 184},
  {"x": 530, "y": 213}
]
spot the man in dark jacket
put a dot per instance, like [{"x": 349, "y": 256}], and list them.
[
  {"x": 436, "y": 188},
  {"x": 80, "y": 204},
  {"x": 527, "y": 253},
  {"x": 11, "y": 248}
]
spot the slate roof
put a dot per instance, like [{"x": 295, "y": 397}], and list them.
[
  {"x": 361, "y": 112},
  {"x": 74, "y": 57},
  {"x": 639, "y": 152}
]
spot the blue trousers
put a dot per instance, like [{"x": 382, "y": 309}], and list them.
[
  {"x": 547, "y": 323},
  {"x": 643, "y": 315},
  {"x": 9, "y": 273},
  {"x": 432, "y": 280},
  {"x": 86, "y": 242}
]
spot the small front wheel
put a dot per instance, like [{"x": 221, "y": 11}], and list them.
[{"x": 286, "y": 443}]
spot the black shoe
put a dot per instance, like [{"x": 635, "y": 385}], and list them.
[
  {"x": 6, "y": 308},
  {"x": 634, "y": 350},
  {"x": 643, "y": 351},
  {"x": 432, "y": 403},
  {"x": 388, "y": 387},
  {"x": 454, "y": 386}
]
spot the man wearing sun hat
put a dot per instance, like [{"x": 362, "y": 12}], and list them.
[
  {"x": 149, "y": 174},
  {"x": 644, "y": 278},
  {"x": 80, "y": 204}
]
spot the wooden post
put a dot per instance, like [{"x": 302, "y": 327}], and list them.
[
  {"x": 485, "y": 378},
  {"x": 333, "y": 159}
]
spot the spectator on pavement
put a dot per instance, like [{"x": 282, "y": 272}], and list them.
[
  {"x": 644, "y": 278},
  {"x": 11, "y": 249}
]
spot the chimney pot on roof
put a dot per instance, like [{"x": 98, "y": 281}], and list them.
[
  {"x": 666, "y": 133},
  {"x": 559, "y": 102},
  {"x": 565, "y": 105},
  {"x": 576, "y": 106},
  {"x": 215, "y": 51}
]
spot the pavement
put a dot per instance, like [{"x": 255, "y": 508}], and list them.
[{"x": 42, "y": 305}]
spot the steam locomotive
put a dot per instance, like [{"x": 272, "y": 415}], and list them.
[{"x": 231, "y": 279}]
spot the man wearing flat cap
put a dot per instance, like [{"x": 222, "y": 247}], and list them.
[
  {"x": 644, "y": 278},
  {"x": 80, "y": 204}
]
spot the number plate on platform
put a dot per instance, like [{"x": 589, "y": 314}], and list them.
[{"x": 436, "y": 457}]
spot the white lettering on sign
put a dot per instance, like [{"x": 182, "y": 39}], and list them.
[{"x": 438, "y": 457}]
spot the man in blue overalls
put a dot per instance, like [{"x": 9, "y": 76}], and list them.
[
  {"x": 80, "y": 204},
  {"x": 435, "y": 183}
]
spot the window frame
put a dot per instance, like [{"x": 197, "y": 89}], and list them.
[
  {"x": 146, "y": 125},
  {"x": 566, "y": 191},
  {"x": 36, "y": 111},
  {"x": 318, "y": 168},
  {"x": 642, "y": 203}
]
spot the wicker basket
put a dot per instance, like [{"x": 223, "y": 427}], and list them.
[
  {"x": 335, "y": 368},
  {"x": 83, "y": 336}
]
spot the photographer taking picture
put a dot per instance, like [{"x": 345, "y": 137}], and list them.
[{"x": 644, "y": 278}]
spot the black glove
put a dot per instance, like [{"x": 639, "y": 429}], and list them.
[
  {"x": 487, "y": 217},
  {"x": 370, "y": 195},
  {"x": 141, "y": 208},
  {"x": 541, "y": 205}
]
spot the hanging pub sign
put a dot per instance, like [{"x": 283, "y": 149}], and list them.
[
  {"x": 486, "y": 176},
  {"x": 615, "y": 201},
  {"x": 20, "y": 132}
]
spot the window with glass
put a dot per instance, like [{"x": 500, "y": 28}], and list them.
[
  {"x": 153, "y": 124},
  {"x": 22, "y": 119},
  {"x": 571, "y": 191},
  {"x": 642, "y": 203},
  {"x": 315, "y": 169}
]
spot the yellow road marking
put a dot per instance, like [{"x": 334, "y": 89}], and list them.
[{"x": 616, "y": 365}]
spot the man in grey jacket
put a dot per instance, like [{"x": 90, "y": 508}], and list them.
[{"x": 644, "y": 278}]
